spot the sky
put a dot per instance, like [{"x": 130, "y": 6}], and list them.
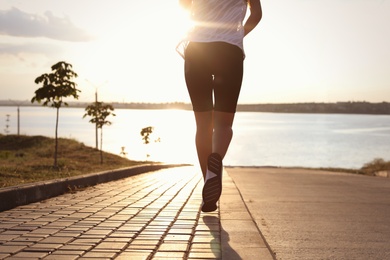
[{"x": 302, "y": 50}]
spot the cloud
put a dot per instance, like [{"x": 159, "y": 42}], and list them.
[
  {"x": 14, "y": 22},
  {"x": 35, "y": 48}
]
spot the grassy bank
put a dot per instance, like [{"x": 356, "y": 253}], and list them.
[{"x": 26, "y": 159}]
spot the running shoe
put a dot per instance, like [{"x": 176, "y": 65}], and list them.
[{"x": 212, "y": 188}]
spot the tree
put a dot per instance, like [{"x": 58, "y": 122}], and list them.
[
  {"x": 6, "y": 129},
  {"x": 99, "y": 112},
  {"x": 145, "y": 133},
  {"x": 55, "y": 87}
]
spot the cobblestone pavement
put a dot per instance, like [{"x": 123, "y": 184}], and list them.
[{"x": 154, "y": 215}]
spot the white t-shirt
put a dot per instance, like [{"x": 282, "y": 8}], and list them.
[{"x": 216, "y": 21}]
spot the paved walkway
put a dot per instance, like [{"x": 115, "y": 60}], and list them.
[
  {"x": 302, "y": 214},
  {"x": 310, "y": 214},
  {"x": 154, "y": 215}
]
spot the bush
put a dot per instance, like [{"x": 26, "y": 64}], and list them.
[
  {"x": 4, "y": 154},
  {"x": 376, "y": 165}
]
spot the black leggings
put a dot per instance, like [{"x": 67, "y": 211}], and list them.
[{"x": 213, "y": 68}]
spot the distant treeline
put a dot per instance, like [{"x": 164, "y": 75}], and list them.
[
  {"x": 327, "y": 108},
  {"x": 363, "y": 107}
]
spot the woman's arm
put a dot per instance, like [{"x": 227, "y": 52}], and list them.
[{"x": 255, "y": 16}]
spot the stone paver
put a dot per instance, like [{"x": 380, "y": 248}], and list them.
[{"x": 154, "y": 215}]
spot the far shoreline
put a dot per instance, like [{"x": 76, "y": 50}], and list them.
[
  {"x": 379, "y": 173},
  {"x": 349, "y": 107}
]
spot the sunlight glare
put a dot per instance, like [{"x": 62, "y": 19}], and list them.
[
  {"x": 126, "y": 55},
  {"x": 174, "y": 21},
  {"x": 174, "y": 128}
]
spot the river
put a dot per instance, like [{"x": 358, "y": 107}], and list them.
[{"x": 260, "y": 139}]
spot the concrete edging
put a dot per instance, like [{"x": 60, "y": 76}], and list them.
[{"x": 11, "y": 197}]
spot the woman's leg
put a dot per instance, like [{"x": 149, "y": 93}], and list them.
[
  {"x": 213, "y": 75},
  {"x": 223, "y": 132},
  {"x": 213, "y": 135},
  {"x": 199, "y": 81},
  {"x": 211, "y": 150},
  {"x": 204, "y": 137},
  {"x": 227, "y": 85}
]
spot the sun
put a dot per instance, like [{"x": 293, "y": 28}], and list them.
[
  {"x": 170, "y": 19},
  {"x": 135, "y": 51}
]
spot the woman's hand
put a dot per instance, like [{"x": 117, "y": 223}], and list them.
[{"x": 255, "y": 16}]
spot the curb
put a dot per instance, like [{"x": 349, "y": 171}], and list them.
[{"x": 11, "y": 197}]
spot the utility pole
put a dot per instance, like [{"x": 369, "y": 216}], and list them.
[
  {"x": 96, "y": 101},
  {"x": 18, "y": 121},
  {"x": 18, "y": 110},
  {"x": 96, "y": 124}
]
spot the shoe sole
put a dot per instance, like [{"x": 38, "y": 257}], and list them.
[{"x": 213, "y": 187}]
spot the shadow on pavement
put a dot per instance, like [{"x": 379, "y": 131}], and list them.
[{"x": 225, "y": 252}]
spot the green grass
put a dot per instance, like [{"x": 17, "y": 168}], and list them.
[
  {"x": 369, "y": 168},
  {"x": 27, "y": 159}
]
